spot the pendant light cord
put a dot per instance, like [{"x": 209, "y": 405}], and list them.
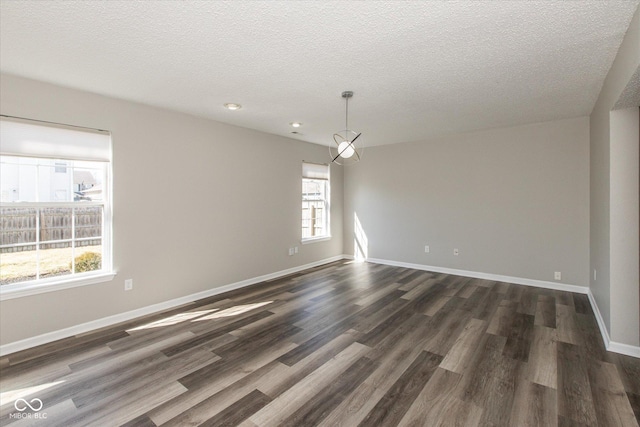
[{"x": 347, "y": 114}]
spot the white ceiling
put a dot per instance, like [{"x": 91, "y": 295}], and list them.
[{"x": 419, "y": 69}]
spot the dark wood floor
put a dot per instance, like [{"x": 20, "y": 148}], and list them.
[{"x": 342, "y": 344}]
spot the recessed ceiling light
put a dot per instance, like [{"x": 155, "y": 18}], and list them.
[
  {"x": 296, "y": 124},
  {"x": 232, "y": 106}
]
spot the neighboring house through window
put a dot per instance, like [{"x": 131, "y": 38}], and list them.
[
  {"x": 54, "y": 205},
  {"x": 315, "y": 201}
]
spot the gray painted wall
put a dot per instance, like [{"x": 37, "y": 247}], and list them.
[
  {"x": 235, "y": 190},
  {"x": 514, "y": 201},
  {"x": 608, "y": 291},
  {"x": 625, "y": 225}
]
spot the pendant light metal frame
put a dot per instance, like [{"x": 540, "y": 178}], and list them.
[{"x": 346, "y": 151}]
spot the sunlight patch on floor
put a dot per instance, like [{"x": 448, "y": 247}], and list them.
[{"x": 233, "y": 311}]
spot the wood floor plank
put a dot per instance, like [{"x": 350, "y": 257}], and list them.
[
  {"x": 125, "y": 407},
  {"x": 546, "y": 311},
  {"x": 575, "y": 400},
  {"x": 542, "y": 367},
  {"x": 300, "y": 370},
  {"x": 534, "y": 405},
  {"x": 528, "y": 301},
  {"x": 581, "y": 303},
  {"x": 382, "y": 330},
  {"x": 612, "y": 408},
  {"x": 519, "y": 337},
  {"x": 208, "y": 337},
  {"x": 228, "y": 396},
  {"x": 207, "y": 381},
  {"x": 564, "y": 298},
  {"x": 447, "y": 331},
  {"x": 634, "y": 401},
  {"x": 165, "y": 370},
  {"x": 629, "y": 368},
  {"x": 437, "y": 304},
  {"x": 239, "y": 411},
  {"x": 483, "y": 303},
  {"x": 320, "y": 406},
  {"x": 394, "y": 355},
  {"x": 284, "y": 405},
  {"x": 341, "y": 344},
  {"x": 417, "y": 290},
  {"x": 141, "y": 421},
  {"x": 391, "y": 408},
  {"x": 566, "y": 325},
  {"x": 467, "y": 290},
  {"x": 492, "y": 381},
  {"x": 501, "y": 321},
  {"x": 460, "y": 355},
  {"x": 376, "y": 313},
  {"x": 438, "y": 405}
]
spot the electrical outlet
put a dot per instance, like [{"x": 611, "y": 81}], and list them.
[
  {"x": 291, "y": 251},
  {"x": 557, "y": 275},
  {"x": 295, "y": 250},
  {"x": 456, "y": 252},
  {"x": 426, "y": 249},
  {"x": 128, "y": 284}
]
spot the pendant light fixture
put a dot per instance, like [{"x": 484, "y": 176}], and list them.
[{"x": 346, "y": 151}]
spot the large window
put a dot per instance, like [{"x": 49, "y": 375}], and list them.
[
  {"x": 315, "y": 201},
  {"x": 55, "y": 213}
]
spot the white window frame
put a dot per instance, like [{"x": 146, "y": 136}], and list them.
[
  {"x": 106, "y": 273},
  {"x": 319, "y": 173}
]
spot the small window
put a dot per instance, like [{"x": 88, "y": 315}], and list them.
[
  {"x": 61, "y": 167},
  {"x": 315, "y": 201}
]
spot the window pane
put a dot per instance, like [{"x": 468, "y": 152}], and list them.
[
  {"x": 314, "y": 204},
  {"x": 88, "y": 222},
  {"x": 54, "y": 182},
  {"x": 25, "y": 179},
  {"x": 88, "y": 258},
  {"x": 18, "y": 179},
  {"x": 87, "y": 182},
  {"x": 17, "y": 264},
  {"x": 18, "y": 226},
  {"x": 55, "y": 261},
  {"x": 313, "y": 190},
  {"x": 55, "y": 224}
]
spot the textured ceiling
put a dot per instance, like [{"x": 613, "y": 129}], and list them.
[
  {"x": 418, "y": 69},
  {"x": 630, "y": 96}
]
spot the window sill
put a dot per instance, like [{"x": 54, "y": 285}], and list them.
[
  {"x": 315, "y": 239},
  {"x": 19, "y": 290}
]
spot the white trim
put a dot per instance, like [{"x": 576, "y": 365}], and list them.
[
  {"x": 599, "y": 320},
  {"x": 129, "y": 315},
  {"x": 616, "y": 347},
  {"x": 626, "y": 349},
  {"x": 315, "y": 239},
  {"x": 487, "y": 276},
  {"x": 20, "y": 290}
]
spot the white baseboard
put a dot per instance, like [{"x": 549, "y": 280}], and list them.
[
  {"x": 487, "y": 276},
  {"x": 13, "y": 347},
  {"x": 616, "y": 347},
  {"x": 129, "y": 315},
  {"x": 626, "y": 349}
]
